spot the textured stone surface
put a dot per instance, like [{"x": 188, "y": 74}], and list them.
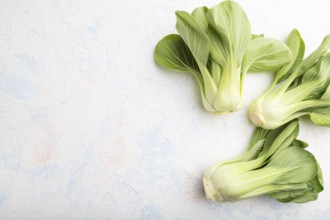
[{"x": 91, "y": 128}]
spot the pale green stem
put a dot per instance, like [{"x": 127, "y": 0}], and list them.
[
  {"x": 228, "y": 96},
  {"x": 216, "y": 72},
  {"x": 209, "y": 85}
]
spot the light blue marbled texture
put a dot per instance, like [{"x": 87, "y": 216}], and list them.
[
  {"x": 157, "y": 153},
  {"x": 79, "y": 167},
  {"x": 87, "y": 66},
  {"x": 17, "y": 87},
  {"x": 106, "y": 129},
  {"x": 151, "y": 212},
  {"x": 322, "y": 214},
  {"x": 10, "y": 161},
  {"x": 29, "y": 61},
  {"x": 45, "y": 171},
  {"x": 92, "y": 29},
  {"x": 3, "y": 198}
]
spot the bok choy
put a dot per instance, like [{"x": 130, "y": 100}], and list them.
[
  {"x": 276, "y": 164},
  {"x": 301, "y": 87},
  {"x": 216, "y": 45}
]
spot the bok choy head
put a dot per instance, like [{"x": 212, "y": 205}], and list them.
[
  {"x": 301, "y": 87},
  {"x": 216, "y": 45},
  {"x": 276, "y": 164}
]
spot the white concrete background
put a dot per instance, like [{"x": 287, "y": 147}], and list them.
[{"x": 92, "y": 128}]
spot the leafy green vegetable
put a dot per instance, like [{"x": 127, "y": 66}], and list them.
[
  {"x": 216, "y": 45},
  {"x": 276, "y": 164},
  {"x": 301, "y": 87},
  {"x": 265, "y": 54}
]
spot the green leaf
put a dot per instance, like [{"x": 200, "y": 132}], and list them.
[
  {"x": 256, "y": 144},
  {"x": 219, "y": 51},
  {"x": 197, "y": 41},
  {"x": 259, "y": 135},
  {"x": 307, "y": 196},
  {"x": 172, "y": 53},
  {"x": 321, "y": 116},
  {"x": 292, "y": 191},
  {"x": 194, "y": 36},
  {"x": 319, "y": 177},
  {"x": 231, "y": 31},
  {"x": 320, "y": 72},
  {"x": 316, "y": 80},
  {"x": 315, "y": 56},
  {"x": 315, "y": 186},
  {"x": 326, "y": 94},
  {"x": 199, "y": 14},
  {"x": 295, "y": 164},
  {"x": 266, "y": 54},
  {"x": 280, "y": 138},
  {"x": 325, "y": 66},
  {"x": 299, "y": 143},
  {"x": 297, "y": 47},
  {"x": 271, "y": 137}
]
